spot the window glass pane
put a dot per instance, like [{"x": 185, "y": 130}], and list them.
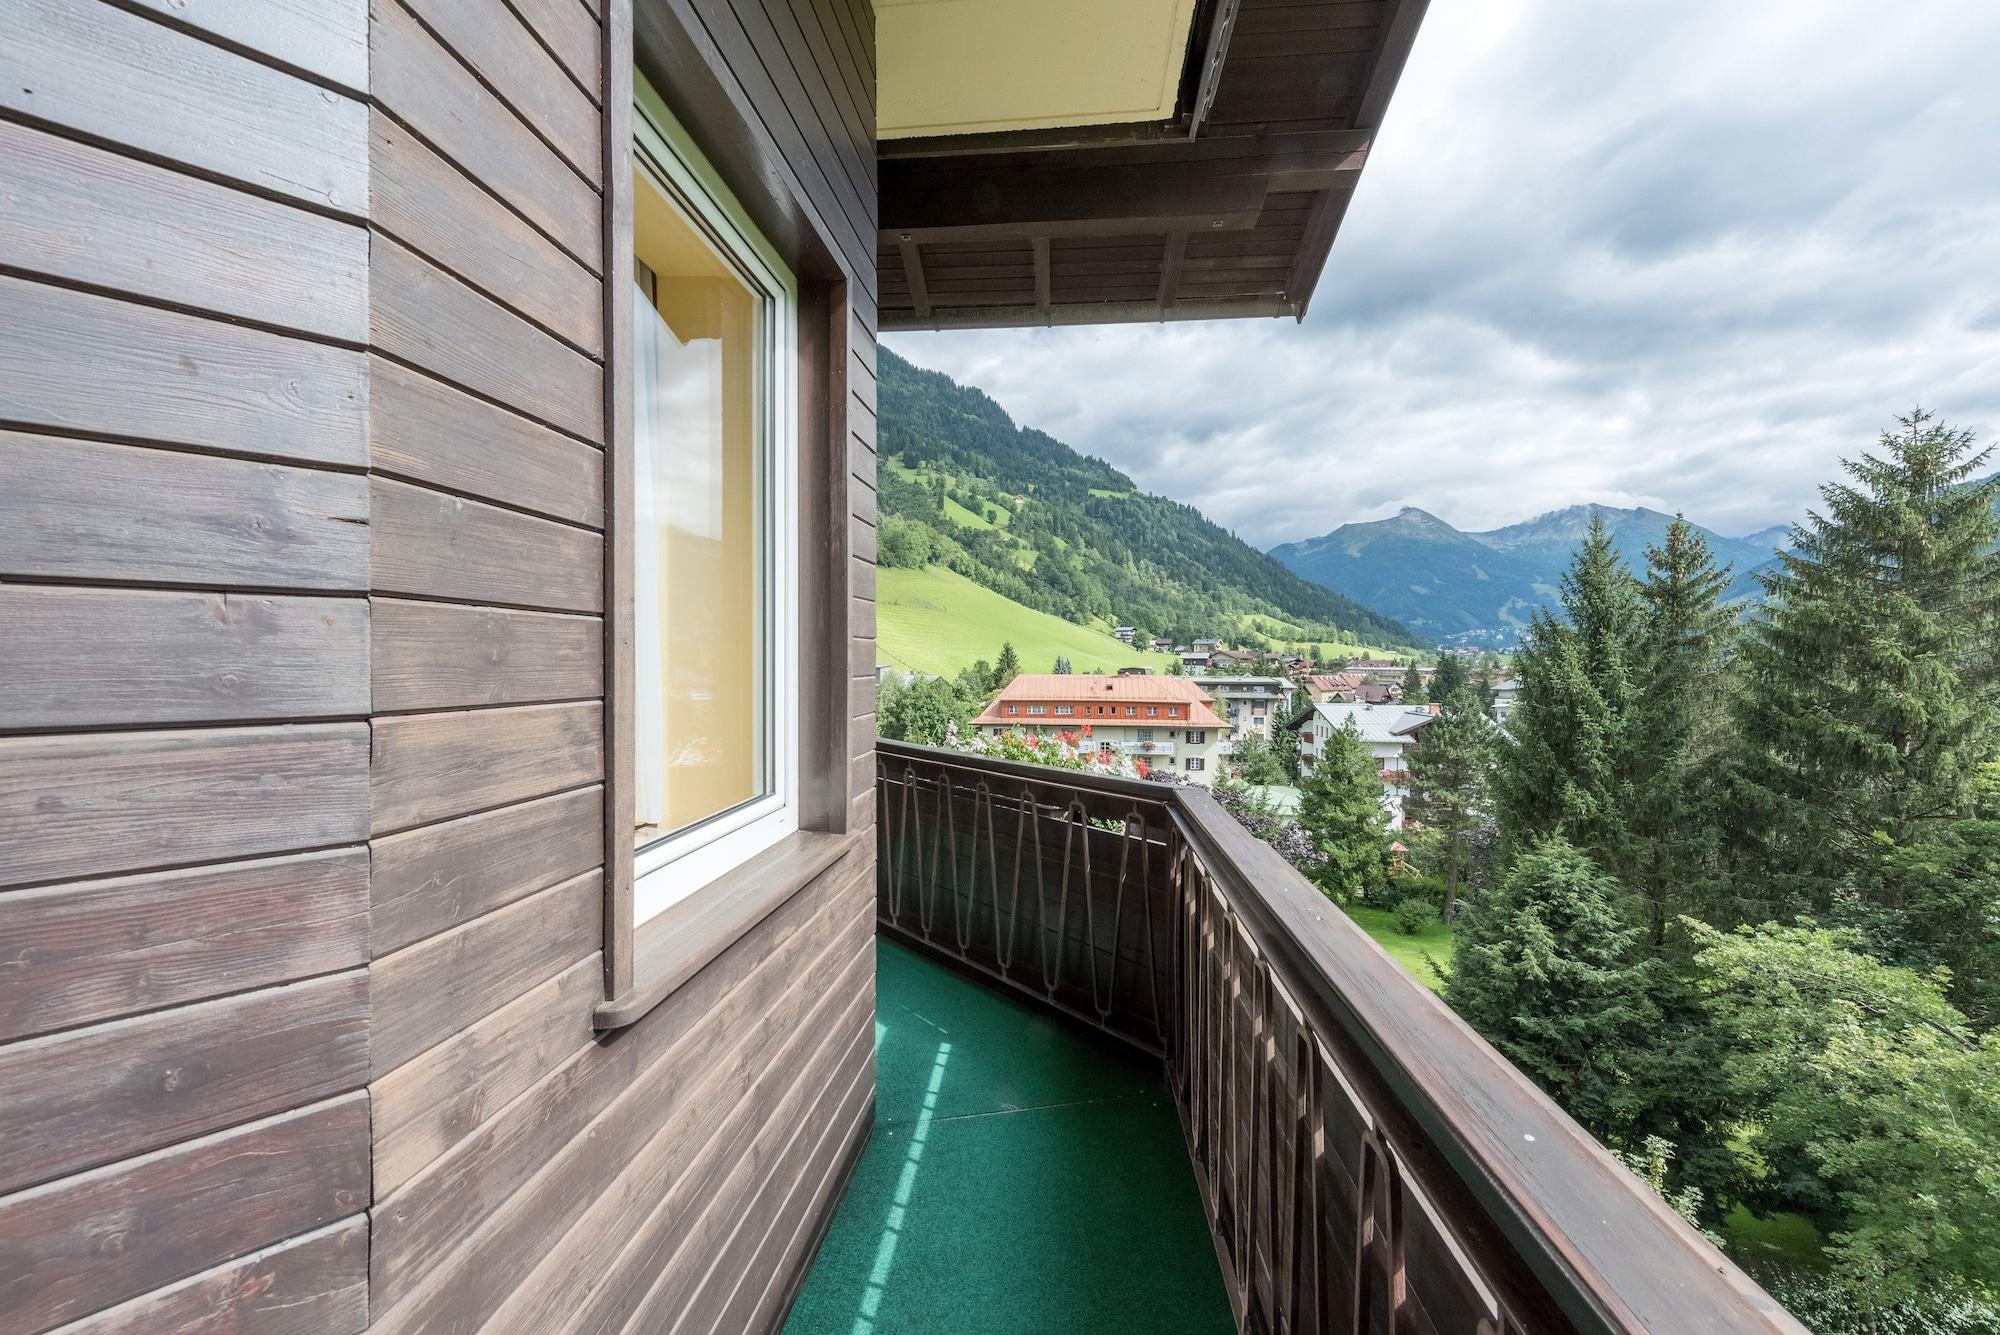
[{"x": 701, "y": 381}]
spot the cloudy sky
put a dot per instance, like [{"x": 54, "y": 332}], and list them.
[{"x": 1677, "y": 253}]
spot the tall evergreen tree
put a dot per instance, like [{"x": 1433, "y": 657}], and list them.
[
  {"x": 1870, "y": 682},
  {"x": 1451, "y": 784},
  {"x": 1676, "y": 736},
  {"x": 1413, "y": 686},
  {"x": 1562, "y": 770},
  {"x": 1063, "y": 668},
  {"x": 1340, "y": 809},
  {"x": 1550, "y": 972},
  {"x": 1449, "y": 679},
  {"x": 1007, "y": 666}
]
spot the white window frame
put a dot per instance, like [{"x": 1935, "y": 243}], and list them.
[{"x": 671, "y": 869}]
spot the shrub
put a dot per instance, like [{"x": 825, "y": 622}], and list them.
[{"x": 1415, "y": 915}]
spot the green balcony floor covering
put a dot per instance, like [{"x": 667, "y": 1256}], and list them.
[{"x": 1024, "y": 1178}]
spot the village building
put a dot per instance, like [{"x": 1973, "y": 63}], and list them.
[
  {"x": 1388, "y": 730},
  {"x": 1169, "y": 723},
  {"x": 1249, "y": 704}
]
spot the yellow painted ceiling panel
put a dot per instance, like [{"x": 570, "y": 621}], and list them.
[{"x": 976, "y": 66}]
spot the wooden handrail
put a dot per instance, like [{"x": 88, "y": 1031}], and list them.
[{"x": 1364, "y": 1155}]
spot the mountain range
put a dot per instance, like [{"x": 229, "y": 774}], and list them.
[{"x": 1456, "y": 587}]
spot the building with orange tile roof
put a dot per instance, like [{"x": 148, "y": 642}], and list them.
[{"x": 1167, "y": 722}]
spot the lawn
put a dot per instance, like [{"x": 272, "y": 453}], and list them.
[
  {"x": 1408, "y": 951},
  {"x": 935, "y": 621}
]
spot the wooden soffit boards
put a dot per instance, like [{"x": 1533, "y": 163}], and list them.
[{"x": 1225, "y": 208}]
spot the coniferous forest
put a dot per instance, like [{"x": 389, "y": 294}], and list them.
[{"x": 1739, "y": 910}]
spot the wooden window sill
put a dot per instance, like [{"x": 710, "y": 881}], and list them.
[{"x": 676, "y": 944}]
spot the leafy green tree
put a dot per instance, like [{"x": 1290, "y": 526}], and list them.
[
  {"x": 1413, "y": 686},
  {"x": 1550, "y": 971},
  {"x": 976, "y": 682},
  {"x": 1871, "y": 680},
  {"x": 1563, "y": 758},
  {"x": 1674, "y": 742},
  {"x": 924, "y": 712},
  {"x": 1946, "y": 885},
  {"x": 1007, "y": 666},
  {"x": 1340, "y": 809},
  {"x": 1451, "y": 785},
  {"x": 1869, "y": 1098},
  {"x": 908, "y": 544}
]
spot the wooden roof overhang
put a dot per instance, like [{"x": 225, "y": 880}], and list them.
[{"x": 1228, "y": 209}]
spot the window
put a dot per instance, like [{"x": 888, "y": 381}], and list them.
[
  {"x": 1152, "y": 711},
  {"x": 1131, "y": 711},
  {"x": 1038, "y": 709},
  {"x": 1143, "y": 734},
  {"x": 1197, "y": 737},
  {"x": 1196, "y": 764},
  {"x": 1173, "y": 711},
  {"x": 1065, "y": 709},
  {"x": 1013, "y": 709},
  {"x": 714, "y": 566}
]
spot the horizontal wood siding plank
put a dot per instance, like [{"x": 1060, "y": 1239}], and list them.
[
  {"x": 508, "y": 59},
  {"x": 422, "y": 429},
  {"x": 98, "y": 804},
  {"x": 100, "y": 70},
  {"x": 421, "y": 314},
  {"x": 87, "y": 216},
  {"x": 595, "y": 1274},
  {"x": 444, "y": 656},
  {"x": 76, "y": 362},
  {"x": 83, "y": 510},
  {"x": 315, "y": 1284},
  {"x": 420, "y": 1224},
  {"x": 569, "y": 30},
  {"x": 429, "y": 545},
  {"x": 429, "y": 879},
  {"x": 75, "y": 657},
  {"x": 437, "y": 1098},
  {"x": 136, "y": 943},
  {"x": 426, "y": 88},
  {"x": 429, "y": 767},
  {"x": 76, "y": 1100},
  {"x": 436, "y": 210},
  {"x": 176, "y": 1212},
  {"x": 720, "y": 1064},
  {"x": 427, "y": 992},
  {"x": 324, "y": 37}
]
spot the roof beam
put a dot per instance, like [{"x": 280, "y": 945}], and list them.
[
  {"x": 1399, "y": 35},
  {"x": 1083, "y": 312},
  {"x": 1214, "y": 52},
  {"x": 1025, "y": 202},
  {"x": 1170, "y": 269},
  {"x": 1041, "y": 244},
  {"x": 913, "y": 270}
]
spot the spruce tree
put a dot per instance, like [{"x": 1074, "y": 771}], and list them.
[
  {"x": 1413, "y": 686},
  {"x": 1870, "y": 682},
  {"x": 1675, "y": 737},
  {"x": 1550, "y": 972},
  {"x": 1451, "y": 785},
  {"x": 1007, "y": 666},
  {"x": 1563, "y": 760},
  {"x": 1449, "y": 679},
  {"x": 1340, "y": 809}
]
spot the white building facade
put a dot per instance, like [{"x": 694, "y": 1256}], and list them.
[{"x": 1388, "y": 731}]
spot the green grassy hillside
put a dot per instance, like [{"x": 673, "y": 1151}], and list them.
[{"x": 935, "y": 621}]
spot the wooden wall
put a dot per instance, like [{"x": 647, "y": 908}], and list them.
[{"x": 303, "y": 416}]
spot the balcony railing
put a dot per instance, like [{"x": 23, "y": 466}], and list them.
[{"x": 1367, "y": 1162}]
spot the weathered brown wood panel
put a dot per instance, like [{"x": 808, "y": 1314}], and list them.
[
  {"x": 445, "y": 656},
  {"x": 427, "y": 544},
  {"x": 315, "y": 1284},
  {"x": 76, "y": 1100},
  {"x": 101, "y": 949},
  {"x": 179, "y": 1211},
  {"x": 327, "y": 38},
  {"x": 100, "y": 70},
  {"x": 429, "y": 767},
  {"x": 77, "y": 362},
  {"x": 82, "y": 510},
  {"x": 95, "y": 657},
  {"x": 96, "y": 804},
  {"x": 432, "y": 878}
]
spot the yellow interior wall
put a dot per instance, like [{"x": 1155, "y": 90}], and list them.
[{"x": 977, "y": 66}]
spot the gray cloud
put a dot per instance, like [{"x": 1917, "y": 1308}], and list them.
[{"x": 1683, "y": 253}]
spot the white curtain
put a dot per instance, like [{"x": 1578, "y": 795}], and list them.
[{"x": 650, "y": 341}]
